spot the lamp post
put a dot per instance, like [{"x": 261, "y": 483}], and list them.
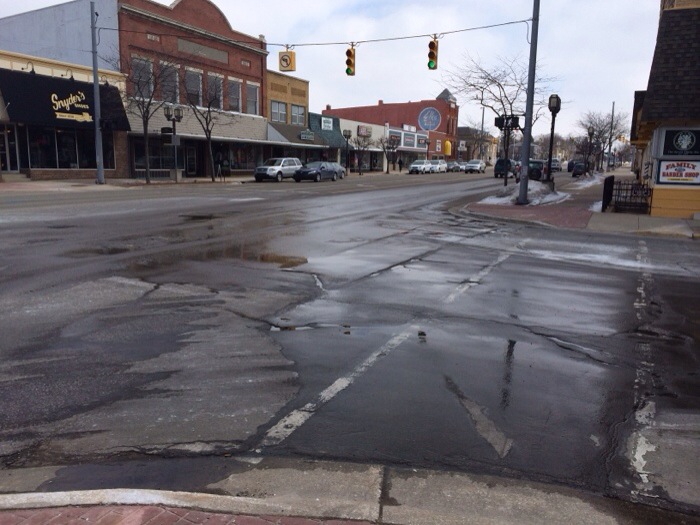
[
  {"x": 590, "y": 147},
  {"x": 346, "y": 135},
  {"x": 427, "y": 149},
  {"x": 174, "y": 115},
  {"x": 554, "y": 107}
]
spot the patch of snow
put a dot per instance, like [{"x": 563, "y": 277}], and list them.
[
  {"x": 596, "y": 207},
  {"x": 537, "y": 194}
]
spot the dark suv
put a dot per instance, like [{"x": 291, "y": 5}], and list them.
[{"x": 502, "y": 167}]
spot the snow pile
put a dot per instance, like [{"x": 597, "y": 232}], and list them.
[
  {"x": 586, "y": 181},
  {"x": 537, "y": 194}
]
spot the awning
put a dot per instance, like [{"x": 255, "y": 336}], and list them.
[
  {"x": 59, "y": 102},
  {"x": 297, "y": 136}
]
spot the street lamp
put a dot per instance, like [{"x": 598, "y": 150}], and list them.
[
  {"x": 174, "y": 115},
  {"x": 590, "y": 147},
  {"x": 346, "y": 135},
  {"x": 554, "y": 107}
]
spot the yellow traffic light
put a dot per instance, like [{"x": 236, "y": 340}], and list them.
[
  {"x": 350, "y": 61},
  {"x": 433, "y": 54}
]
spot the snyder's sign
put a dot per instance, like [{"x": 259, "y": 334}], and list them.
[
  {"x": 72, "y": 107},
  {"x": 679, "y": 172}
]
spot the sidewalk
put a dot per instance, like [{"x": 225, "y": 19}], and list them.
[
  {"x": 305, "y": 492},
  {"x": 579, "y": 207}
]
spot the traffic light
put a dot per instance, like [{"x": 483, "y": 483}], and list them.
[
  {"x": 350, "y": 62},
  {"x": 433, "y": 54}
]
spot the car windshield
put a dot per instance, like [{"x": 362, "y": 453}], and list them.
[
  {"x": 436, "y": 162},
  {"x": 313, "y": 165},
  {"x": 474, "y": 162},
  {"x": 273, "y": 162}
]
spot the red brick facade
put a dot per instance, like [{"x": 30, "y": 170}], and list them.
[{"x": 156, "y": 31}]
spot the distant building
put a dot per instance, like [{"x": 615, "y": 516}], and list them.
[
  {"x": 666, "y": 117},
  {"x": 425, "y": 129}
]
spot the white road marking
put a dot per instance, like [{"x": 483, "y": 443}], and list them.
[
  {"x": 476, "y": 279},
  {"x": 288, "y": 424},
  {"x": 487, "y": 429}
]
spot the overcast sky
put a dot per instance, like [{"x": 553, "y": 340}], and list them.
[{"x": 600, "y": 51}]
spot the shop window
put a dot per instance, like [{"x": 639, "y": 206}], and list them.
[
  {"x": 234, "y": 95},
  {"x": 299, "y": 115},
  {"x": 278, "y": 112},
  {"x": 42, "y": 147},
  {"x": 252, "y": 92}
]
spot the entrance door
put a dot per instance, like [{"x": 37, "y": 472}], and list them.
[
  {"x": 8, "y": 149},
  {"x": 191, "y": 162}
]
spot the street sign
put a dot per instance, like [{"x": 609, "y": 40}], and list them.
[{"x": 287, "y": 61}]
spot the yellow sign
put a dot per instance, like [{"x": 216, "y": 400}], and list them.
[{"x": 288, "y": 61}]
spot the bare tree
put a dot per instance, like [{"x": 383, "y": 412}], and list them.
[
  {"x": 361, "y": 144},
  {"x": 502, "y": 88},
  {"x": 147, "y": 80},
  {"x": 206, "y": 102},
  {"x": 389, "y": 145},
  {"x": 605, "y": 128}
]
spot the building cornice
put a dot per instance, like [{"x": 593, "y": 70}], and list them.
[{"x": 191, "y": 29}]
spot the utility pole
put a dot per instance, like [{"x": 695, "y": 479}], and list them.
[
  {"x": 527, "y": 131},
  {"x": 481, "y": 136},
  {"x": 96, "y": 94}
]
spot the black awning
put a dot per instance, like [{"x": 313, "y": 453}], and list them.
[{"x": 59, "y": 102}]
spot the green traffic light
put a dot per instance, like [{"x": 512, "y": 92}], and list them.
[
  {"x": 432, "y": 64},
  {"x": 348, "y": 71}
]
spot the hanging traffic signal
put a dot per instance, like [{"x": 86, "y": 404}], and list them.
[
  {"x": 433, "y": 54},
  {"x": 350, "y": 62}
]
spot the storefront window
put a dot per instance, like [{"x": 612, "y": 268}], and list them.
[
  {"x": 67, "y": 150},
  {"x": 42, "y": 147}
]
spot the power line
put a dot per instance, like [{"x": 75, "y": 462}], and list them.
[{"x": 319, "y": 44}]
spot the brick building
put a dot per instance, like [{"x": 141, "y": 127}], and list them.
[{"x": 426, "y": 128}]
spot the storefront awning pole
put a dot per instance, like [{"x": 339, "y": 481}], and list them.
[{"x": 96, "y": 94}]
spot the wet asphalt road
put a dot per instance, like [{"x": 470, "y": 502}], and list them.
[{"x": 357, "y": 320}]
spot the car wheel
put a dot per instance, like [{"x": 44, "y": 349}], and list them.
[
  {"x": 318, "y": 177},
  {"x": 279, "y": 177},
  {"x": 335, "y": 177},
  {"x": 258, "y": 179},
  {"x": 297, "y": 179}
]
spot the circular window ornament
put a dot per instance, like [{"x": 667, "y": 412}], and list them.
[
  {"x": 684, "y": 140},
  {"x": 429, "y": 119}
]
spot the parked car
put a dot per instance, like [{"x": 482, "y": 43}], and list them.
[
  {"x": 339, "y": 169},
  {"x": 537, "y": 169},
  {"x": 316, "y": 171},
  {"x": 420, "y": 166},
  {"x": 570, "y": 165},
  {"x": 277, "y": 168},
  {"x": 438, "y": 166},
  {"x": 475, "y": 166},
  {"x": 453, "y": 165},
  {"x": 503, "y": 167},
  {"x": 463, "y": 165},
  {"x": 578, "y": 169},
  {"x": 556, "y": 165}
]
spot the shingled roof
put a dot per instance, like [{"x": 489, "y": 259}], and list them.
[{"x": 673, "y": 92}]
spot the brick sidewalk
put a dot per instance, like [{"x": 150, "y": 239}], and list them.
[{"x": 148, "y": 515}]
